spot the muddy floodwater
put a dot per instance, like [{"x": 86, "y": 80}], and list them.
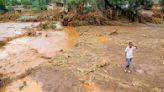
[
  {"x": 11, "y": 29},
  {"x": 29, "y": 52}
]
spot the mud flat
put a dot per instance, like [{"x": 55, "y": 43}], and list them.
[{"x": 90, "y": 59}]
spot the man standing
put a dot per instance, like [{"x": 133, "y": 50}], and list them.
[{"x": 129, "y": 56}]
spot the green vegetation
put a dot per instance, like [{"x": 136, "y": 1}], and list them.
[
  {"x": 113, "y": 3},
  {"x": 2, "y": 5},
  {"x": 111, "y": 8},
  {"x": 162, "y": 4}
]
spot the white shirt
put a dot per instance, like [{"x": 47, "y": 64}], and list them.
[{"x": 129, "y": 52}]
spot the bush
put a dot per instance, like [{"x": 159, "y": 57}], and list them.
[{"x": 2, "y": 6}]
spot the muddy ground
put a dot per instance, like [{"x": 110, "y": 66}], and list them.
[{"x": 91, "y": 60}]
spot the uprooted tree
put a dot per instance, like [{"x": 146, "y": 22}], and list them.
[
  {"x": 93, "y": 12},
  {"x": 100, "y": 12}
]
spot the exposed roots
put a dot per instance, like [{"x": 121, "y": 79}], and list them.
[{"x": 92, "y": 18}]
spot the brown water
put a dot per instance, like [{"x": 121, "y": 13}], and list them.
[
  {"x": 72, "y": 36},
  {"x": 44, "y": 45},
  {"x": 12, "y": 29},
  {"x": 49, "y": 45}
]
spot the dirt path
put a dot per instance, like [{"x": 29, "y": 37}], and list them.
[{"x": 96, "y": 63}]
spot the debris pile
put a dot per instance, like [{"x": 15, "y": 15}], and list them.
[
  {"x": 158, "y": 15},
  {"x": 92, "y": 18},
  {"x": 31, "y": 16},
  {"x": 10, "y": 16}
]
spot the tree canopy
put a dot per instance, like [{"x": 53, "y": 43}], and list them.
[{"x": 72, "y": 3}]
